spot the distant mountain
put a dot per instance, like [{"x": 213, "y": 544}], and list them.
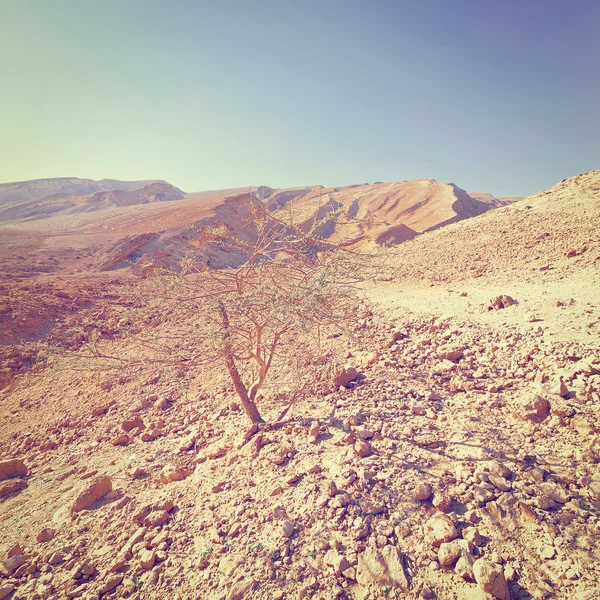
[
  {"x": 43, "y": 198},
  {"x": 379, "y": 213},
  {"x": 139, "y": 227}
]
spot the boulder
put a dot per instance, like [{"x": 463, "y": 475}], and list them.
[
  {"x": 345, "y": 375},
  {"x": 381, "y": 567},
  {"x": 440, "y": 529},
  {"x": 535, "y": 408},
  {"x": 94, "y": 490},
  {"x": 491, "y": 579},
  {"x": 14, "y": 467},
  {"x": 12, "y": 486},
  {"x": 502, "y": 301}
]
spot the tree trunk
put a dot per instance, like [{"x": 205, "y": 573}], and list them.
[{"x": 247, "y": 403}]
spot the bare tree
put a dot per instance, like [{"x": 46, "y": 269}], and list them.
[{"x": 292, "y": 291}]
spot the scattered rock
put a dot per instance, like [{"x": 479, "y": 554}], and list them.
[
  {"x": 111, "y": 583},
  {"x": 135, "y": 422},
  {"x": 287, "y": 529},
  {"x": 440, "y": 529},
  {"x": 449, "y": 553},
  {"x": 422, "y": 492},
  {"x": 501, "y": 302},
  {"x": 471, "y": 534},
  {"x": 10, "y": 565},
  {"x": 147, "y": 559},
  {"x": 241, "y": 589},
  {"x": 230, "y": 563},
  {"x": 97, "y": 487},
  {"x": 535, "y": 408},
  {"x": 345, "y": 376},
  {"x": 338, "y": 562},
  {"x": 362, "y": 448},
  {"x": 6, "y": 589},
  {"x": 121, "y": 440},
  {"x": 14, "y": 467},
  {"x": 381, "y": 567},
  {"x": 12, "y": 486},
  {"x": 172, "y": 473},
  {"x": 491, "y": 579}
]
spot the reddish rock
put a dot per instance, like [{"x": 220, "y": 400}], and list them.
[
  {"x": 45, "y": 535},
  {"x": 120, "y": 440},
  {"x": 12, "y": 468},
  {"x": 133, "y": 423},
  {"x": 171, "y": 473},
  {"x": 12, "y": 486},
  {"x": 501, "y": 302},
  {"x": 10, "y": 565},
  {"x": 345, "y": 375}
]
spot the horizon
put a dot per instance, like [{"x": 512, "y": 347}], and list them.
[{"x": 499, "y": 98}]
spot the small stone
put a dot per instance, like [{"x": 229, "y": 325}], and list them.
[
  {"x": 362, "y": 448},
  {"x": 338, "y": 562},
  {"x": 10, "y": 565},
  {"x": 555, "y": 492},
  {"x": 422, "y": 492},
  {"x": 56, "y": 557},
  {"x": 156, "y": 518},
  {"x": 315, "y": 430},
  {"x": 121, "y": 440},
  {"x": 482, "y": 496},
  {"x": 135, "y": 422},
  {"x": 535, "y": 408},
  {"x": 381, "y": 567},
  {"x": 344, "y": 376},
  {"x": 500, "y": 483},
  {"x": 369, "y": 507},
  {"x": 111, "y": 583},
  {"x": 442, "y": 502},
  {"x": 147, "y": 559},
  {"x": 332, "y": 489},
  {"x": 471, "y": 534},
  {"x": 216, "y": 452},
  {"x": 500, "y": 302},
  {"x": 172, "y": 473},
  {"x": 242, "y": 590},
  {"x": 548, "y": 552},
  {"x": 287, "y": 529},
  {"x": 16, "y": 550},
  {"x": 571, "y": 574},
  {"x": 230, "y": 563},
  {"x": 418, "y": 409},
  {"x": 10, "y": 487},
  {"x": 464, "y": 566}
]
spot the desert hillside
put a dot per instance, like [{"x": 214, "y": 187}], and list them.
[
  {"x": 451, "y": 452},
  {"x": 111, "y": 225}
]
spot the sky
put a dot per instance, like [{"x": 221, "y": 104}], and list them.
[{"x": 500, "y": 96}]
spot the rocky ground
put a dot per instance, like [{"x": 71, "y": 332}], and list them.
[{"x": 462, "y": 461}]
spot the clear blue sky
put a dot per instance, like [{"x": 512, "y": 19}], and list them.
[{"x": 493, "y": 95}]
